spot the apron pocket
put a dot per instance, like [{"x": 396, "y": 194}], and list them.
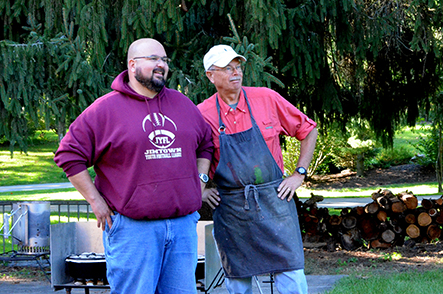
[{"x": 271, "y": 206}]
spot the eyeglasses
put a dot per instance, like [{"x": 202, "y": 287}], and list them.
[
  {"x": 229, "y": 69},
  {"x": 155, "y": 58}
]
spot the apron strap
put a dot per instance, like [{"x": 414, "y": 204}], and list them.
[
  {"x": 222, "y": 126},
  {"x": 254, "y": 189}
]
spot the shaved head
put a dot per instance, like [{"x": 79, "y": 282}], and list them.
[
  {"x": 145, "y": 47},
  {"x": 147, "y": 68}
]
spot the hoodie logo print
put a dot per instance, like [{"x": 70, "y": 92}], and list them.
[{"x": 162, "y": 136}]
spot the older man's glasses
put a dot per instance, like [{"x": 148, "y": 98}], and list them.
[
  {"x": 229, "y": 69},
  {"x": 154, "y": 58}
]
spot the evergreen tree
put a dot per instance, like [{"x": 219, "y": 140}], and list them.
[{"x": 337, "y": 60}]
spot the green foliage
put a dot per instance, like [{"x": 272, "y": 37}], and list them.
[
  {"x": 337, "y": 60},
  {"x": 327, "y": 149},
  {"x": 334, "y": 151},
  {"x": 345, "y": 263},
  {"x": 428, "y": 147},
  {"x": 390, "y": 256},
  {"x": 385, "y": 158}
]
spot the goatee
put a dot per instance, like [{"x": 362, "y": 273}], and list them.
[{"x": 151, "y": 83}]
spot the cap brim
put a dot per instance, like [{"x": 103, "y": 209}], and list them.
[{"x": 227, "y": 59}]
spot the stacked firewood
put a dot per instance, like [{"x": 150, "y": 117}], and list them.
[{"x": 386, "y": 221}]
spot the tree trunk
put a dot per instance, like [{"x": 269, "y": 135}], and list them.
[
  {"x": 439, "y": 163},
  {"x": 410, "y": 218},
  {"x": 372, "y": 207},
  {"x": 360, "y": 165},
  {"x": 409, "y": 200},
  {"x": 384, "y": 202},
  {"x": 61, "y": 126},
  {"x": 439, "y": 218},
  {"x": 424, "y": 219},
  {"x": 388, "y": 236},
  {"x": 433, "y": 232},
  {"x": 349, "y": 222},
  {"x": 377, "y": 244},
  {"x": 368, "y": 227},
  {"x": 335, "y": 220},
  {"x": 413, "y": 231},
  {"x": 382, "y": 216},
  {"x": 433, "y": 212},
  {"x": 427, "y": 204},
  {"x": 397, "y": 205}
]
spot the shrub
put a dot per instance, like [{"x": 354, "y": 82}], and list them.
[
  {"x": 428, "y": 147},
  {"x": 327, "y": 148},
  {"x": 387, "y": 157}
]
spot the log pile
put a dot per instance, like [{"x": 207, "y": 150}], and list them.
[{"x": 386, "y": 221}]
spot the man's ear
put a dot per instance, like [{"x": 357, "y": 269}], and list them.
[
  {"x": 131, "y": 65},
  {"x": 210, "y": 76}
]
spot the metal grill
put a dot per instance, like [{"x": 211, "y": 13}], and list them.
[
  {"x": 31, "y": 227},
  {"x": 29, "y": 231}
]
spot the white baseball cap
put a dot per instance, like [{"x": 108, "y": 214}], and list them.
[{"x": 221, "y": 56}]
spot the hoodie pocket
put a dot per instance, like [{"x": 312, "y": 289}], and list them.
[{"x": 164, "y": 199}]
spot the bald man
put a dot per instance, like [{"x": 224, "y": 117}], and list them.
[{"x": 151, "y": 150}]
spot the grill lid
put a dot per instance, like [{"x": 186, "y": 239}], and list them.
[{"x": 86, "y": 257}]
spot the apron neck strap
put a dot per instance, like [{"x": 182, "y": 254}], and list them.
[{"x": 222, "y": 126}]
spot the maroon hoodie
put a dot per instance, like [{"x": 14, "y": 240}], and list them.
[{"x": 144, "y": 151}]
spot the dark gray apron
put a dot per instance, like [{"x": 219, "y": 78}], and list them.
[{"x": 256, "y": 232}]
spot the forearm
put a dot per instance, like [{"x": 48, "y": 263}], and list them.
[
  {"x": 307, "y": 147},
  {"x": 210, "y": 196},
  {"x": 83, "y": 183},
  {"x": 203, "y": 165},
  {"x": 288, "y": 186}
]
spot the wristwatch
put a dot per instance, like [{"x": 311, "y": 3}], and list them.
[
  {"x": 301, "y": 170},
  {"x": 203, "y": 177}
]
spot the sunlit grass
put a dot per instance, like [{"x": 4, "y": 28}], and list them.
[
  {"x": 416, "y": 189},
  {"x": 42, "y": 195},
  {"x": 410, "y": 282},
  {"x": 36, "y": 167},
  {"x": 410, "y": 136}
]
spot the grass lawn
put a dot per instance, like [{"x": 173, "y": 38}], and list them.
[
  {"x": 417, "y": 189},
  {"x": 35, "y": 167},
  {"x": 399, "y": 283},
  {"x": 42, "y": 195}
]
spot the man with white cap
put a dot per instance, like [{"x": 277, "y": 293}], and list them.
[{"x": 255, "y": 218}]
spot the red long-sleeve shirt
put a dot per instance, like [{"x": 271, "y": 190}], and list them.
[{"x": 274, "y": 115}]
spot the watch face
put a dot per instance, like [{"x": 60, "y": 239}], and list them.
[
  {"x": 301, "y": 170},
  {"x": 204, "y": 178}
]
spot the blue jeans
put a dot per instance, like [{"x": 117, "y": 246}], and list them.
[
  {"x": 151, "y": 256},
  {"x": 293, "y": 282}
]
